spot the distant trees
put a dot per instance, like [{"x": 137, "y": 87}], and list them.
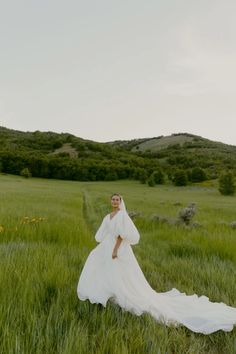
[
  {"x": 194, "y": 161},
  {"x": 63, "y": 167},
  {"x": 180, "y": 178},
  {"x": 151, "y": 181},
  {"x": 158, "y": 176},
  {"x": 197, "y": 175},
  {"x": 111, "y": 176},
  {"x": 104, "y": 165},
  {"x": 227, "y": 184},
  {"x": 143, "y": 177},
  {"x": 151, "y": 177}
]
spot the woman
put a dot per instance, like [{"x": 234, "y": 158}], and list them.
[{"x": 111, "y": 271}]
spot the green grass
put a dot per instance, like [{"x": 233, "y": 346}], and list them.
[{"x": 41, "y": 260}]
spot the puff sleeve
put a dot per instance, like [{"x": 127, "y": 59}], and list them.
[
  {"x": 101, "y": 232},
  {"x": 126, "y": 229}
]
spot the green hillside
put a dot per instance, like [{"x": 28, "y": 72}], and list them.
[
  {"x": 164, "y": 142},
  {"x": 65, "y": 156},
  {"x": 184, "y": 140},
  {"x": 185, "y": 151}
]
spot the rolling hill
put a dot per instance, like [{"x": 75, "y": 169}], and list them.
[
  {"x": 184, "y": 140},
  {"x": 66, "y": 156}
]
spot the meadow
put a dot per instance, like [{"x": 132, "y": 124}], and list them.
[{"x": 47, "y": 230}]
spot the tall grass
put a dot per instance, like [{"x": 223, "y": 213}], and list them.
[{"x": 47, "y": 233}]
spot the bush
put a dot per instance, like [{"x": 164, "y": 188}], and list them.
[
  {"x": 110, "y": 176},
  {"x": 151, "y": 181},
  {"x": 186, "y": 214},
  {"x": 198, "y": 175},
  {"x": 158, "y": 176},
  {"x": 226, "y": 184},
  {"x": 143, "y": 177},
  {"x": 180, "y": 178},
  {"x": 25, "y": 173}
]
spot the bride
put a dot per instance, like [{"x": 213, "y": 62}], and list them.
[{"x": 111, "y": 271}]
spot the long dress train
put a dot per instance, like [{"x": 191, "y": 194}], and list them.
[{"x": 122, "y": 280}]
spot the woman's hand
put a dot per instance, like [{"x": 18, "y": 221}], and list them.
[
  {"x": 117, "y": 245},
  {"x": 114, "y": 254}
]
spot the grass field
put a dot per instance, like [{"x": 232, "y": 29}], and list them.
[{"x": 47, "y": 231}]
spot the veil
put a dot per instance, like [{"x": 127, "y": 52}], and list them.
[{"x": 122, "y": 204}]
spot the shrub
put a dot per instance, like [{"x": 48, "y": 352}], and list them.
[
  {"x": 151, "y": 181},
  {"x": 158, "y": 176},
  {"x": 143, "y": 177},
  {"x": 25, "y": 173},
  {"x": 186, "y": 214},
  {"x": 180, "y": 178},
  {"x": 226, "y": 184},
  {"x": 198, "y": 175}
]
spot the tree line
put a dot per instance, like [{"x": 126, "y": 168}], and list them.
[
  {"x": 91, "y": 168},
  {"x": 30, "y": 154}
]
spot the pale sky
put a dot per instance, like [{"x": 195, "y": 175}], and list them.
[{"x": 119, "y": 69}]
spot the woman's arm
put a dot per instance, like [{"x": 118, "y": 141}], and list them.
[{"x": 117, "y": 245}]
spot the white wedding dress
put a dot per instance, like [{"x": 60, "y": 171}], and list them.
[{"x": 122, "y": 280}]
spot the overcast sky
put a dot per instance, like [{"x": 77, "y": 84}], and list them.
[{"x": 119, "y": 69}]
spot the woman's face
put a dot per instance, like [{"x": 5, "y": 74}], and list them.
[{"x": 115, "y": 201}]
